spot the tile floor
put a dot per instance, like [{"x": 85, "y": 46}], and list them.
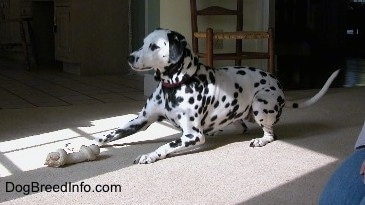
[{"x": 50, "y": 88}]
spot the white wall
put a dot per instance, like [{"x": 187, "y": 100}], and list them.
[{"x": 175, "y": 15}]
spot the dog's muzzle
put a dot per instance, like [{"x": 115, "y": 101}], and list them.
[{"x": 131, "y": 59}]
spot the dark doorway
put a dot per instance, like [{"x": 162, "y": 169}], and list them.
[
  {"x": 43, "y": 14},
  {"x": 316, "y": 37}
]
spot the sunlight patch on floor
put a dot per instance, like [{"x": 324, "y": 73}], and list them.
[
  {"x": 29, "y": 153},
  {"x": 36, "y": 140}
]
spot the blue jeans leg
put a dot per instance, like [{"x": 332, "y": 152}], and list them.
[{"x": 346, "y": 185}]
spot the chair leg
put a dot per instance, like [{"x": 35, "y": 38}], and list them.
[
  {"x": 209, "y": 47},
  {"x": 34, "y": 56},
  {"x": 28, "y": 56},
  {"x": 24, "y": 45},
  {"x": 271, "y": 60},
  {"x": 238, "y": 62}
]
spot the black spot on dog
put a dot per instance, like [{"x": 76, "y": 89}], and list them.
[
  {"x": 160, "y": 118},
  {"x": 216, "y": 104},
  {"x": 252, "y": 69},
  {"x": 157, "y": 75},
  {"x": 263, "y": 101},
  {"x": 295, "y": 105},
  {"x": 223, "y": 121},
  {"x": 211, "y": 77},
  {"x": 195, "y": 129},
  {"x": 153, "y": 47},
  {"x": 202, "y": 122},
  {"x": 213, "y": 118},
  {"x": 281, "y": 101},
  {"x": 263, "y": 74},
  {"x": 208, "y": 100},
  {"x": 203, "y": 101},
  {"x": 191, "y": 100},
  {"x": 176, "y": 143},
  {"x": 189, "y": 65},
  {"x": 223, "y": 98},
  {"x": 256, "y": 85},
  {"x": 206, "y": 90},
  {"x": 276, "y": 108},
  {"x": 235, "y": 95},
  {"x": 199, "y": 97},
  {"x": 255, "y": 113},
  {"x": 193, "y": 142},
  {"x": 240, "y": 89},
  {"x": 241, "y": 72},
  {"x": 263, "y": 81},
  {"x": 202, "y": 77},
  {"x": 206, "y": 131},
  {"x": 192, "y": 118},
  {"x": 190, "y": 136},
  {"x": 196, "y": 61},
  {"x": 176, "y": 101},
  {"x": 188, "y": 89},
  {"x": 238, "y": 115}
]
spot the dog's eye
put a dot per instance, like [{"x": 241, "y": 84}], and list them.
[{"x": 154, "y": 46}]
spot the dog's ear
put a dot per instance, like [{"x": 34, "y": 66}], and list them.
[{"x": 177, "y": 44}]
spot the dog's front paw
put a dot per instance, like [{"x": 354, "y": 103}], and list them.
[
  {"x": 258, "y": 142},
  {"x": 103, "y": 140},
  {"x": 147, "y": 158}
]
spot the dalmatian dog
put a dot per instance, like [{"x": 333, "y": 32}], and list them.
[{"x": 201, "y": 100}]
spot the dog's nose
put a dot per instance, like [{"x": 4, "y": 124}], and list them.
[{"x": 131, "y": 59}]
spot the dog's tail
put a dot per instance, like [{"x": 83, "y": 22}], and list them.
[{"x": 315, "y": 98}]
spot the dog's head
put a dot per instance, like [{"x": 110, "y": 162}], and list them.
[{"x": 161, "y": 49}]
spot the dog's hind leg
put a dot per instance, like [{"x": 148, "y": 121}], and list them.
[{"x": 266, "y": 111}]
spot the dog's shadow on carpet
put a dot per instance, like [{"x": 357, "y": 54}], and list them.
[{"x": 287, "y": 132}]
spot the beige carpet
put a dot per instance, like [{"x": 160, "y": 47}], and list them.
[{"x": 292, "y": 170}]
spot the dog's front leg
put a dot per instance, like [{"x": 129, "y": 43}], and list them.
[
  {"x": 188, "y": 140},
  {"x": 145, "y": 118},
  {"x": 133, "y": 126}
]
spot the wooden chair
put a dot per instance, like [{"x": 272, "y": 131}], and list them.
[
  {"x": 25, "y": 42},
  {"x": 239, "y": 35}
]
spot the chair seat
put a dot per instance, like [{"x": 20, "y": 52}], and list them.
[
  {"x": 234, "y": 56},
  {"x": 235, "y": 35}
]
